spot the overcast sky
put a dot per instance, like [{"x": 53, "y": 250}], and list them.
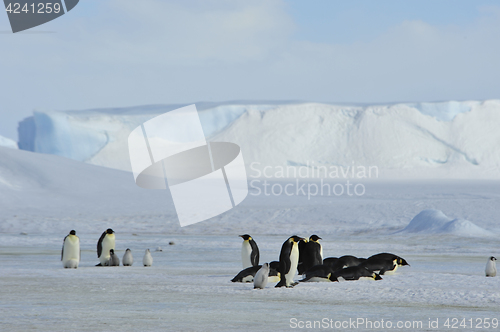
[{"x": 113, "y": 53}]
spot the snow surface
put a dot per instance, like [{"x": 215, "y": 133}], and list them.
[
  {"x": 188, "y": 288},
  {"x": 416, "y": 140},
  {"x": 7, "y": 142}
]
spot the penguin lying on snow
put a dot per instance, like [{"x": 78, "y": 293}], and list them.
[
  {"x": 491, "y": 269},
  {"x": 380, "y": 265},
  {"x": 317, "y": 273},
  {"x": 342, "y": 262},
  {"x": 354, "y": 273},
  {"x": 249, "y": 252},
  {"x": 104, "y": 245},
  {"x": 248, "y": 274},
  {"x": 384, "y": 255},
  {"x": 289, "y": 258},
  {"x": 70, "y": 253}
]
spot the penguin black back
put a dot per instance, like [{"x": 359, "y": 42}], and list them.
[
  {"x": 385, "y": 255},
  {"x": 354, "y": 273},
  {"x": 379, "y": 264}
]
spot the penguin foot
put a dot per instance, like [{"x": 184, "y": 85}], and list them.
[{"x": 99, "y": 264}]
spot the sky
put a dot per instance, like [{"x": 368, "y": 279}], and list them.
[{"x": 118, "y": 53}]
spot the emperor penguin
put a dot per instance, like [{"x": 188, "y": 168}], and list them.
[
  {"x": 384, "y": 255},
  {"x": 113, "y": 258},
  {"x": 317, "y": 273},
  {"x": 310, "y": 254},
  {"x": 147, "y": 260},
  {"x": 289, "y": 258},
  {"x": 127, "y": 259},
  {"x": 354, "y": 273},
  {"x": 249, "y": 252},
  {"x": 380, "y": 265},
  {"x": 491, "y": 269},
  {"x": 260, "y": 280},
  {"x": 70, "y": 253},
  {"x": 104, "y": 245}
]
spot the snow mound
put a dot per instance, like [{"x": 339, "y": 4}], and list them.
[
  {"x": 8, "y": 143},
  {"x": 436, "y": 222}
]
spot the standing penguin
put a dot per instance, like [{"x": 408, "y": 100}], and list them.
[
  {"x": 147, "y": 260},
  {"x": 310, "y": 253},
  {"x": 70, "y": 253},
  {"x": 260, "y": 280},
  {"x": 113, "y": 259},
  {"x": 289, "y": 258},
  {"x": 491, "y": 269},
  {"x": 249, "y": 252},
  {"x": 128, "y": 260},
  {"x": 104, "y": 245}
]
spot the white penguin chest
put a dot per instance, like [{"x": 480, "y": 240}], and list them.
[
  {"x": 71, "y": 248},
  {"x": 294, "y": 259},
  {"x": 246, "y": 252}
]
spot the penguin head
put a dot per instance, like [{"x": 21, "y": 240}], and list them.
[
  {"x": 265, "y": 265},
  {"x": 127, "y": 249},
  {"x": 109, "y": 231},
  {"x": 111, "y": 252},
  {"x": 295, "y": 238},
  {"x": 147, "y": 250},
  {"x": 314, "y": 238},
  {"x": 376, "y": 277},
  {"x": 72, "y": 232},
  {"x": 492, "y": 258},
  {"x": 402, "y": 262},
  {"x": 245, "y": 237}
]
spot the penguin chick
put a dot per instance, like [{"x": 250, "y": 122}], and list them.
[
  {"x": 147, "y": 260},
  {"x": 113, "y": 258},
  {"x": 260, "y": 280},
  {"x": 128, "y": 260},
  {"x": 491, "y": 269}
]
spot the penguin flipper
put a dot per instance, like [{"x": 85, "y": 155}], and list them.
[
  {"x": 62, "y": 252},
  {"x": 99, "y": 244}
]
